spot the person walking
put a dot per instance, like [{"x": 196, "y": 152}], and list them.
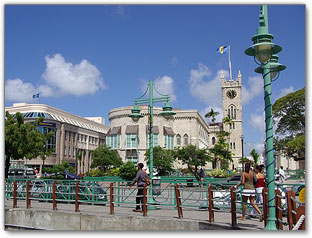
[
  {"x": 281, "y": 174},
  {"x": 201, "y": 176},
  {"x": 141, "y": 179},
  {"x": 248, "y": 191},
  {"x": 259, "y": 187}
]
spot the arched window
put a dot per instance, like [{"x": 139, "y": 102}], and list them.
[
  {"x": 232, "y": 112},
  {"x": 213, "y": 140},
  {"x": 185, "y": 137},
  {"x": 178, "y": 139}
]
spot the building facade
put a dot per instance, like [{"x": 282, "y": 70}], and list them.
[
  {"x": 131, "y": 138},
  {"x": 75, "y": 137}
]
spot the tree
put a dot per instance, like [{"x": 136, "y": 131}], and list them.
[
  {"x": 221, "y": 150},
  {"x": 289, "y": 116},
  {"x": 193, "y": 157},
  {"x": 255, "y": 156},
  {"x": 128, "y": 171},
  {"x": 24, "y": 140},
  {"x": 105, "y": 158},
  {"x": 212, "y": 114},
  {"x": 162, "y": 160}
]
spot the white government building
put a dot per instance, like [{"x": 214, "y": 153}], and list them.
[{"x": 82, "y": 135}]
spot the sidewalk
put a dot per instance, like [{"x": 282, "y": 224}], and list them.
[{"x": 222, "y": 220}]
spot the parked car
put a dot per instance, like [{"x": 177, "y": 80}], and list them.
[
  {"x": 21, "y": 173},
  {"x": 227, "y": 183},
  {"x": 88, "y": 192}
]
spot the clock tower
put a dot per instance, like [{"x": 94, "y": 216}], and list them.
[{"x": 232, "y": 106}]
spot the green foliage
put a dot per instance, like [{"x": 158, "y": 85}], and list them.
[
  {"x": 162, "y": 160},
  {"x": 212, "y": 114},
  {"x": 289, "y": 115},
  {"x": 104, "y": 158},
  {"x": 114, "y": 172},
  {"x": 24, "y": 140},
  {"x": 218, "y": 173},
  {"x": 60, "y": 168},
  {"x": 193, "y": 157},
  {"x": 292, "y": 146},
  {"x": 255, "y": 156},
  {"x": 221, "y": 151},
  {"x": 244, "y": 160},
  {"x": 128, "y": 171},
  {"x": 96, "y": 173}
]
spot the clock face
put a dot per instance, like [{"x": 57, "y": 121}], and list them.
[{"x": 231, "y": 94}]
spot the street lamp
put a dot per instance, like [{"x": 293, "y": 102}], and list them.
[
  {"x": 264, "y": 51},
  {"x": 136, "y": 115}
]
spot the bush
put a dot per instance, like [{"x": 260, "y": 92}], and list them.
[
  {"x": 218, "y": 173},
  {"x": 114, "y": 172},
  {"x": 96, "y": 173},
  {"x": 128, "y": 171}
]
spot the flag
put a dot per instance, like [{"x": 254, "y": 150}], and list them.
[
  {"x": 36, "y": 95},
  {"x": 222, "y": 49}
]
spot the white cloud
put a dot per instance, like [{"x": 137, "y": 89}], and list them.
[
  {"x": 66, "y": 78},
  {"x": 285, "y": 91},
  {"x": 164, "y": 85},
  {"x": 257, "y": 122},
  {"x": 209, "y": 91},
  {"x": 18, "y": 91},
  {"x": 255, "y": 89},
  {"x": 61, "y": 78}
]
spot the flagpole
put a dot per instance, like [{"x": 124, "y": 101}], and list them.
[{"x": 230, "y": 64}]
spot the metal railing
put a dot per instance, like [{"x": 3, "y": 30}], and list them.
[{"x": 203, "y": 197}]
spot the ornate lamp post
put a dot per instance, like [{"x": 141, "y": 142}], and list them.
[
  {"x": 136, "y": 115},
  {"x": 264, "y": 51}
]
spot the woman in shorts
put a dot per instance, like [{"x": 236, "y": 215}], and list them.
[{"x": 248, "y": 191}]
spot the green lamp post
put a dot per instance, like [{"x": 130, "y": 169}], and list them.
[
  {"x": 136, "y": 115},
  {"x": 264, "y": 51}
]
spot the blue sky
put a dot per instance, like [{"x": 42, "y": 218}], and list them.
[{"x": 89, "y": 59}]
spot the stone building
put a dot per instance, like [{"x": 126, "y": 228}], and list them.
[
  {"x": 75, "y": 137},
  {"x": 130, "y": 138}
]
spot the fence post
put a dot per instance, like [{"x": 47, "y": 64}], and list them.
[
  {"x": 301, "y": 211},
  {"x": 111, "y": 198},
  {"x": 54, "y": 196},
  {"x": 233, "y": 207},
  {"x": 15, "y": 194},
  {"x": 77, "y": 197},
  {"x": 144, "y": 201},
  {"x": 265, "y": 205},
  {"x": 291, "y": 206},
  {"x": 28, "y": 194},
  {"x": 210, "y": 198},
  {"x": 178, "y": 201},
  {"x": 278, "y": 211}
]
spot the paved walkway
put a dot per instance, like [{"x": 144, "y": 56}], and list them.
[{"x": 222, "y": 219}]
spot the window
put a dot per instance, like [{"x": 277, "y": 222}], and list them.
[
  {"x": 155, "y": 140},
  {"x": 131, "y": 141},
  {"x": 178, "y": 139},
  {"x": 213, "y": 140},
  {"x": 232, "y": 112},
  {"x": 168, "y": 142},
  {"x": 112, "y": 141},
  {"x": 185, "y": 138},
  {"x": 51, "y": 143},
  {"x": 133, "y": 160}
]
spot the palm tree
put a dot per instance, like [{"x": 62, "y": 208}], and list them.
[
  {"x": 255, "y": 156},
  {"x": 221, "y": 150},
  {"x": 212, "y": 114}
]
